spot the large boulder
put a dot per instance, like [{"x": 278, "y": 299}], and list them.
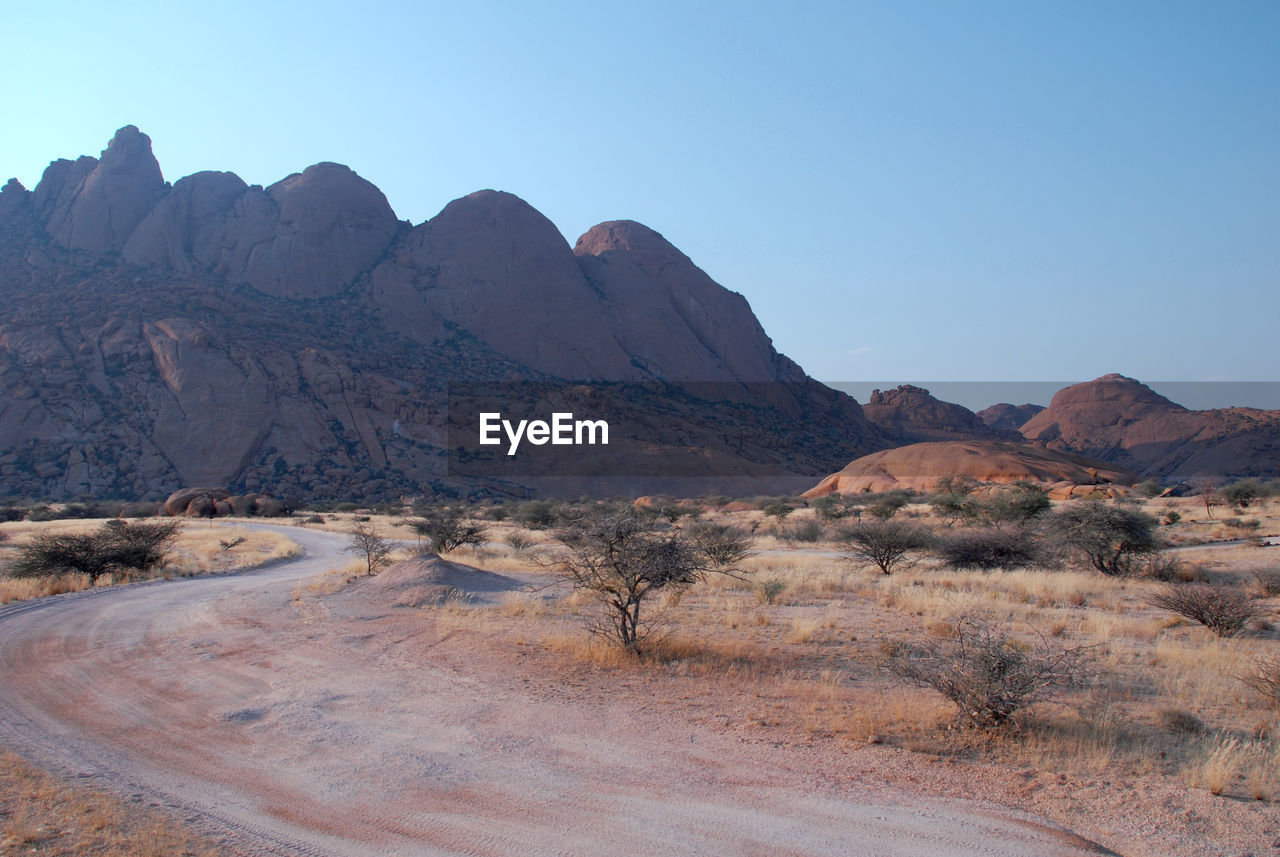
[
  {"x": 920, "y": 466},
  {"x": 195, "y": 502}
]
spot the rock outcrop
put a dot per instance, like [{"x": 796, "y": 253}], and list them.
[
  {"x": 299, "y": 339},
  {"x": 914, "y": 414},
  {"x": 1008, "y": 418},
  {"x": 1121, "y": 420},
  {"x": 920, "y": 466},
  {"x": 96, "y": 204}
]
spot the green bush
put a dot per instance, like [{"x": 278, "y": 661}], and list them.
[
  {"x": 991, "y": 548},
  {"x": 1111, "y": 538},
  {"x": 116, "y": 546}
]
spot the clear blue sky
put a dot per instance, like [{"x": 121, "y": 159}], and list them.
[{"x": 965, "y": 191}]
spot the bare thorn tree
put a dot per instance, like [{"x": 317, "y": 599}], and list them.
[
  {"x": 988, "y": 675},
  {"x": 367, "y": 542},
  {"x": 888, "y": 545},
  {"x": 622, "y": 558}
]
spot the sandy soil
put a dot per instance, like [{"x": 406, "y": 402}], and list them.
[{"x": 337, "y": 726}]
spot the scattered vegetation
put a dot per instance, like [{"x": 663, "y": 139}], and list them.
[
  {"x": 620, "y": 558},
  {"x": 117, "y": 546},
  {"x": 1111, "y": 538},
  {"x": 1225, "y": 610},
  {"x": 367, "y": 542},
  {"x": 448, "y": 529},
  {"x": 993, "y": 547},
  {"x": 887, "y": 545},
  {"x": 987, "y": 674}
]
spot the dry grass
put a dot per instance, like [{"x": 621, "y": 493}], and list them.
[
  {"x": 200, "y": 548},
  {"x": 812, "y": 656},
  {"x": 42, "y": 815}
]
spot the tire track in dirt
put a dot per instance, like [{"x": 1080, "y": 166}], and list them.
[{"x": 291, "y": 733}]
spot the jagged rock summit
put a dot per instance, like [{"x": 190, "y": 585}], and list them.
[{"x": 300, "y": 339}]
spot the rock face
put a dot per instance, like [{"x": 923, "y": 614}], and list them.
[
  {"x": 912, "y": 413},
  {"x": 304, "y": 237},
  {"x": 300, "y": 340},
  {"x": 1008, "y": 418},
  {"x": 919, "y": 466},
  {"x": 669, "y": 317},
  {"x": 97, "y": 204},
  {"x": 1121, "y": 420}
]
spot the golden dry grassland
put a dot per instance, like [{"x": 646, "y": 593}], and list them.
[
  {"x": 42, "y": 815},
  {"x": 201, "y": 547}
]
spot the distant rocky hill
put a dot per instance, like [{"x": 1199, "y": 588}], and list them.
[
  {"x": 1123, "y": 421},
  {"x": 1008, "y": 418},
  {"x": 299, "y": 338},
  {"x": 914, "y": 414}
]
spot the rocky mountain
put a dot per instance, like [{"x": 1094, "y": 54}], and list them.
[
  {"x": 914, "y": 414},
  {"x": 299, "y": 338},
  {"x": 919, "y": 466},
  {"x": 1008, "y": 418},
  {"x": 1123, "y": 421}
]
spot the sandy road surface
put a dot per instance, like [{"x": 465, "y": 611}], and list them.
[{"x": 340, "y": 729}]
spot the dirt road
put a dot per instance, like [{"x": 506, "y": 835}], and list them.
[{"x": 320, "y": 727}]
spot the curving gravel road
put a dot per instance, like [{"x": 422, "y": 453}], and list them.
[{"x": 330, "y": 727}]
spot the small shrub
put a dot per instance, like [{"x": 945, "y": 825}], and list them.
[
  {"x": 1111, "y": 538},
  {"x": 769, "y": 590},
  {"x": 519, "y": 541},
  {"x": 888, "y": 504},
  {"x": 1171, "y": 517},
  {"x": 115, "y": 546},
  {"x": 833, "y": 507},
  {"x": 1263, "y": 678},
  {"x": 1148, "y": 488},
  {"x": 1180, "y": 721},
  {"x": 778, "y": 510},
  {"x": 1244, "y": 492},
  {"x": 984, "y": 671},
  {"x": 1269, "y": 582},
  {"x": 807, "y": 531},
  {"x": 1225, "y": 610},
  {"x": 538, "y": 514},
  {"x": 990, "y": 548},
  {"x": 1244, "y": 525},
  {"x": 1169, "y": 568}
]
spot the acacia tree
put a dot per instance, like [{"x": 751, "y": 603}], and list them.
[
  {"x": 622, "y": 558},
  {"x": 447, "y": 529},
  {"x": 1111, "y": 538},
  {"x": 885, "y": 544},
  {"x": 365, "y": 540},
  {"x": 115, "y": 546}
]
